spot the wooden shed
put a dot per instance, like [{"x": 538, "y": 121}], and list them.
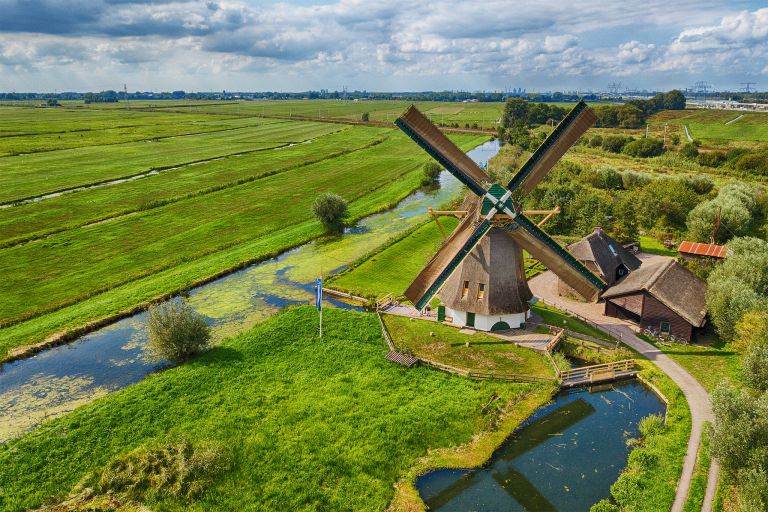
[{"x": 661, "y": 295}]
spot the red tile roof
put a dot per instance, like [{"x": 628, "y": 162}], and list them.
[{"x": 712, "y": 250}]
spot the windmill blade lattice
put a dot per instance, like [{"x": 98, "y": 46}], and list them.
[{"x": 498, "y": 208}]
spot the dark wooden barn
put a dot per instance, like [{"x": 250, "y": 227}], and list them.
[{"x": 663, "y": 296}]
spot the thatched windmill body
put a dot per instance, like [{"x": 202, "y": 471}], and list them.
[{"x": 486, "y": 247}]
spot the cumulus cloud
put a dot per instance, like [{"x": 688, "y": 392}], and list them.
[{"x": 376, "y": 45}]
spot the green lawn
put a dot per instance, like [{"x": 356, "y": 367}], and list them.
[
  {"x": 558, "y": 318},
  {"x": 392, "y": 269},
  {"x": 303, "y": 423},
  {"x": 710, "y": 364},
  {"x": 652, "y": 246},
  {"x": 448, "y": 346}
]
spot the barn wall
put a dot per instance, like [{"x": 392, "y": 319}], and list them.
[{"x": 654, "y": 312}]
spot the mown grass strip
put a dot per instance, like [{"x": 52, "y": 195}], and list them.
[{"x": 32, "y": 221}]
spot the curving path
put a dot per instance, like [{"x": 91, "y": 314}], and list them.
[{"x": 545, "y": 287}]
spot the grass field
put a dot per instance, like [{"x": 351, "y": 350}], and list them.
[
  {"x": 392, "y": 269},
  {"x": 227, "y": 198},
  {"x": 448, "y": 346},
  {"x": 709, "y": 126},
  {"x": 303, "y": 423},
  {"x": 710, "y": 364}
]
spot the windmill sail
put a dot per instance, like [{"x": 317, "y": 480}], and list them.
[
  {"x": 453, "y": 251},
  {"x": 565, "y": 135},
  {"x": 555, "y": 258},
  {"x": 455, "y": 161}
]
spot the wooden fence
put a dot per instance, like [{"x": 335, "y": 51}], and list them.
[{"x": 598, "y": 373}]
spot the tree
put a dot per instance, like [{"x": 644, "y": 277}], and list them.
[
  {"x": 176, "y": 332},
  {"x": 431, "y": 172},
  {"x": 674, "y": 100},
  {"x": 739, "y": 285},
  {"x": 756, "y": 368},
  {"x": 674, "y": 139},
  {"x": 751, "y": 330},
  {"x": 735, "y": 205},
  {"x": 365, "y": 117},
  {"x": 330, "y": 209},
  {"x": 664, "y": 203}
]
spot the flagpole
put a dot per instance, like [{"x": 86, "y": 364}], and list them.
[{"x": 319, "y": 300}]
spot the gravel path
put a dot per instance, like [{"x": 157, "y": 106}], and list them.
[{"x": 544, "y": 286}]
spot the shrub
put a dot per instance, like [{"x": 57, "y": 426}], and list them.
[
  {"x": 330, "y": 209},
  {"x": 175, "y": 469},
  {"x": 365, "y": 117},
  {"x": 595, "y": 141},
  {"x": 711, "y": 159},
  {"x": 633, "y": 179},
  {"x": 604, "y": 506},
  {"x": 176, "y": 332},
  {"x": 651, "y": 425},
  {"x": 644, "y": 148},
  {"x": 615, "y": 143},
  {"x": 700, "y": 183},
  {"x": 675, "y": 139},
  {"x": 604, "y": 177},
  {"x": 689, "y": 151},
  {"x": 431, "y": 173},
  {"x": 753, "y": 163}
]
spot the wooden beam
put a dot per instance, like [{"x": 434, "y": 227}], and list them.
[
  {"x": 439, "y": 226},
  {"x": 454, "y": 213}
]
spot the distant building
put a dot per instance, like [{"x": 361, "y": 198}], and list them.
[
  {"x": 661, "y": 295},
  {"x": 701, "y": 252},
  {"x": 602, "y": 255}
]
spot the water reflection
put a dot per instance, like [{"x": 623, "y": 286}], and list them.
[{"x": 564, "y": 457}]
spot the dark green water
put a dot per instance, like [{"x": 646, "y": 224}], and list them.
[{"x": 564, "y": 457}]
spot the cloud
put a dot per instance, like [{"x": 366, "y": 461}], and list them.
[{"x": 448, "y": 44}]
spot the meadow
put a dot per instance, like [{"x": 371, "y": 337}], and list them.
[
  {"x": 220, "y": 198},
  {"x": 299, "y": 423}
]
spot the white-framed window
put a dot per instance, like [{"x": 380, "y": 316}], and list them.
[
  {"x": 665, "y": 327},
  {"x": 465, "y": 290},
  {"x": 480, "y": 291}
]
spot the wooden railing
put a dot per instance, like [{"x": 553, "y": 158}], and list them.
[
  {"x": 617, "y": 335},
  {"x": 549, "y": 347},
  {"x": 386, "y": 300},
  {"x": 473, "y": 374},
  {"x": 598, "y": 372},
  {"x": 385, "y": 332}
]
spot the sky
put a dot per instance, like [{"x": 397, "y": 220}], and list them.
[{"x": 213, "y": 45}]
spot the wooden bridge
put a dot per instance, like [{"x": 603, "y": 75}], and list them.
[{"x": 598, "y": 373}]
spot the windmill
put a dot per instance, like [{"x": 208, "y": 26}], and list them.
[{"x": 494, "y": 210}]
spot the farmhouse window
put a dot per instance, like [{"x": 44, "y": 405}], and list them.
[
  {"x": 480, "y": 291},
  {"x": 465, "y": 290},
  {"x": 665, "y": 327}
]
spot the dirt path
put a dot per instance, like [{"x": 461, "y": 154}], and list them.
[{"x": 545, "y": 287}]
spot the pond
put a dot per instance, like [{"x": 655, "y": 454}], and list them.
[
  {"x": 564, "y": 457},
  {"x": 58, "y": 380}
]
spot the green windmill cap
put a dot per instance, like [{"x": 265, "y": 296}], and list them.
[{"x": 496, "y": 191}]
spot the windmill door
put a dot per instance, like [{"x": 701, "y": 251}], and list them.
[
  {"x": 441, "y": 313},
  {"x": 470, "y": 319}
]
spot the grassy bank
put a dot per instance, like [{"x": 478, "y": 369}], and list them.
[
  {"x": 392, "y": 269},
  {"x": 304, "y": 423},
  {"x": 649, "y": 482},
  {"x": 701, "y": 472},
  {"x": 710, "y": 364},
  {"x": 447, "y": 345}
]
